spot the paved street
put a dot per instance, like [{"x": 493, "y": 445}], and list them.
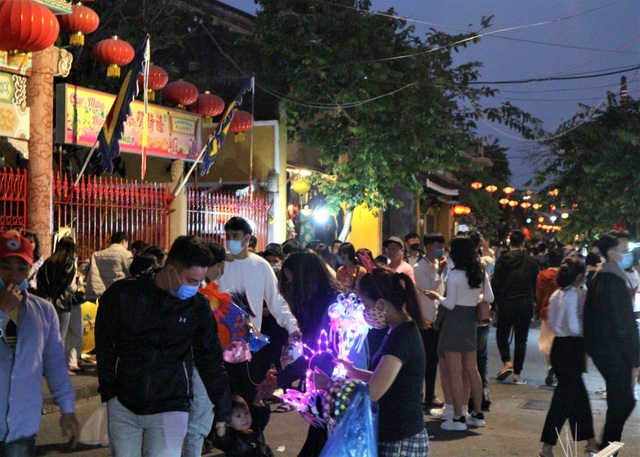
[{"x": 513, "y": 424}]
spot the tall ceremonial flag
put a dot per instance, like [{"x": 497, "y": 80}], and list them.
[
  {"x": 113, "y": 127},
  {"x": 217, "y": 137}
]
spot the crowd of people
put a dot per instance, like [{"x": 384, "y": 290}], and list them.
[{"x": 169, "y": 391}]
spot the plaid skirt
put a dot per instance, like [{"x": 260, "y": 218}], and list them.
[{"x": 414, "y": 446}]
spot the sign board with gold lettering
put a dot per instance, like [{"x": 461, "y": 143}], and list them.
[{"x": 80, "y": 114}]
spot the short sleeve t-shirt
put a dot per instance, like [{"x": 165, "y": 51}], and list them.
[{"x": 400, "y": 414}]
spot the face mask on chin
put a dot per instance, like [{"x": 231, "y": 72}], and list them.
[{"x": 24, "y": 285}]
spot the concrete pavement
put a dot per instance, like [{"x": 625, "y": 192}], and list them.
[{"x": 513, "y": 425}]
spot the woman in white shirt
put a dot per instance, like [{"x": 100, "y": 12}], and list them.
[
  {"x": 570, "y": 399},
  {"x": 457, "y": 344}
]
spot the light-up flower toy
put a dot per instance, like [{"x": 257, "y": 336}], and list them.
[{"x": 347, "y": 332}]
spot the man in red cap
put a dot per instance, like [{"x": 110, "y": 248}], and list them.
[{"x": 30, "y": 346}]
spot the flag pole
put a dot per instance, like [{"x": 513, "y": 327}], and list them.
[
  {"x": 86, "y": 163},
  {"x": 181, "y": 184}
]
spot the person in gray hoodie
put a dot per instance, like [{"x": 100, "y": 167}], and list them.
[{"x": 514, "y": 286}]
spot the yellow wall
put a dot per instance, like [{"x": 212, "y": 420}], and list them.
[{"x": 366, "y": 230}]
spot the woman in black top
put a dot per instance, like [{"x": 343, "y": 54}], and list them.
[{"x": 398, "y": 367}]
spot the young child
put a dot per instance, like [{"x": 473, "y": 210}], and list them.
[{"x": 244, "y": 434}]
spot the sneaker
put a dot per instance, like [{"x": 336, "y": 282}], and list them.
[
  {"x": 476, "y": 420},
  {"x": 636, "y": 396},
  {"x": 604, "y": 395},
  {"x": 549, "y": 380},
  {"x": 454, "y": 424}
]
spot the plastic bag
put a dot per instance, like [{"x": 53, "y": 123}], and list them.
[
  {"x": 95, "y": 430},
  {"x": 356, "y": 433}
]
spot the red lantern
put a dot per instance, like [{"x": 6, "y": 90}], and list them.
[
  {"x": 208, "y": 105},
  {"x": 26, "y": 26},
  {"x": 180, "y": 93},
  {"x": 82, "y": 21},
  {"x": 241, "y": 122},
  {"x": 461, "y": 210},
  {"x": 114, "y": 53},
  {"x": 158, "y": 78}
]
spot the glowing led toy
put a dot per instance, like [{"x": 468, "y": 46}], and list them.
[{"x": 348, "y": 327}]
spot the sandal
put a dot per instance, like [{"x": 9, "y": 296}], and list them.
[{"x": 504, "y": 374}]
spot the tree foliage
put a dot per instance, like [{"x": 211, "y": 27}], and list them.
[
  {"x": 382, "y": 105},
  {"x": 593, "y": 162}
]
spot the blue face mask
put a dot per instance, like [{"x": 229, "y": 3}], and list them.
[
  {"x": 184, "y": 292},
  {"x": 438, "y": 253},
  {"x": 626, "y": 261},
  {"x": 235, "y": 247},
  {"x": 340, "y": 260},
  {"x": 24, "y": 285}
]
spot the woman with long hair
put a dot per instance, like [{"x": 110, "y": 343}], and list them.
[
  {"x": 395, "y": 381},
  {"x": 350, "y": 270},
  {"x": 570, "y": 399},
  {"x": 458, "y": 343},
  {"x": 309, "y": 289},
  {"x": 56, "y": 281}
]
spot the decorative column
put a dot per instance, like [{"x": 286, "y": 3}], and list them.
[
  {"x": 40, "y": 164},
  {"x": 178, "y": 222}
]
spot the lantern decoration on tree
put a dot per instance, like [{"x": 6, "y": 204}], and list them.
[
  {"x": 26, "y": 26},
  {"x": 508, "y": 190},
  {"x": 525, "y": 205},
  {"x": 241, "y": 122},
  {"x": 208, "y": 105},
  {"x": 180, "y": 93},
  {"x": 158, "y": 78},
  {"x": 513, "y": 204},
  {"x": 114, "y": 53},
  {"x": 491, "y": 188},
  {"x": 503, "y": 201},
  {"x": 301, "y": 186},
  {"x": 476, "y": 185},
  {"x": 80, "y": 22}
]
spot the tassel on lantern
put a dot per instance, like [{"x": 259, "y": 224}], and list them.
[
  {"x": 113, "y": 71},
  {"x": 151, "y": 95},
  {"x": 239, "y": 138},
  {"x": 76, "y": 39}
]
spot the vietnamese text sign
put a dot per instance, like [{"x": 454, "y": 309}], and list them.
[{"x": 81, "y": 112}]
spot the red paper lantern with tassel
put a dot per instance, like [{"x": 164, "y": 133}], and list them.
[
  {"x": 82, "y": 21},
  {"x": 158, "y": 78},
  {"x": 26, "y": 26},
  {"x": 241, "y": 122},
  {"x": 208, "y": 105},
  {"x": 114, "y": 53},
  {"x": 180, "y": 93}
]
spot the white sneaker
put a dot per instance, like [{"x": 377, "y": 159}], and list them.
[
  {"x": 455, "y": 425},
  {"x": 476, "y": 421},
  {"x": 636, "y": 396},
  {"x": 442, "y": 414}
]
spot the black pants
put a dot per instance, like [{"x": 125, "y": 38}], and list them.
[
  {"x": 570, "y": 399},
  {"x": 616, "y": 371},
  {"x": 518, "y": 318},
  {"x": 24, "y": 447},
  {"x": 244, "y": 377},
  {"x": 430, "y": 343}
]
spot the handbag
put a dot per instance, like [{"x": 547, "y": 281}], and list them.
[{"x": 483, "y": 310}]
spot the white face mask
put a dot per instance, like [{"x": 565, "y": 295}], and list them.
[
  {"x": 235, "y": 247},
  {"x": 374, "y": 317}
]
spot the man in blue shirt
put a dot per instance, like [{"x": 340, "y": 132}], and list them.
[{"x": 30, "y": 347}]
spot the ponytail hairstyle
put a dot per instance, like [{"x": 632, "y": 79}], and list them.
[
  {"x": 465, "y": 257},
  {"x": 570, "y": 268},
  {"x": 395, "y": 288},
  {"x": 350, "y": 251}
]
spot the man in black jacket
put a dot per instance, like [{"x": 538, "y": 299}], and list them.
[
  {"x": 514, "y": 285},
  {"x": 149, "y": 332}
]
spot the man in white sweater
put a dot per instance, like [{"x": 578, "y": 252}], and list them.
[{"x": 252, "y": 274}]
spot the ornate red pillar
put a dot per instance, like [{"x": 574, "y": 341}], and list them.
[{"x": 39, "y": 177}]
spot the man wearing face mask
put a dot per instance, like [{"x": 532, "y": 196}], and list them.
[
  {"x": 428, "y": 274},
  {"x": 251, "y": 273},
  {"x": 30, "y": 345},
  {"x": 414, "y": 250},
  {"x": 149, "y": 331}
]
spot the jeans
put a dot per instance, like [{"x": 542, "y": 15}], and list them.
[
  {"x": 153, "y": 435},
  {"x": 24, "y": 447},
  {"x": 518, "y": 318},
  {"x": 483, "y": 354},
  {"x": 200, "y": 418},
  {"x": 616, "y": 371},
  {"x": 71, "y": 330},
  {"x": 570, "y": 399},
  {"x": 430, "y": 343}
]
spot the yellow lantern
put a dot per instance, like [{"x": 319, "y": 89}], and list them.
[
  {"x": 476, "y": 185},
  {"x": 491, "y": 188},
  {"x": 301, "y": 186},
  {"x": 508, "y": 190}
]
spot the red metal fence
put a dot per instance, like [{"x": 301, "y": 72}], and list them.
[
  {"x": 102, "y": 205},
  {"x": 208, "y": 211},
  {"x": 13, "y": 199}
]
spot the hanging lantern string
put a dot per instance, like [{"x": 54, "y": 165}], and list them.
[{"x": 253, "y": 116}]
